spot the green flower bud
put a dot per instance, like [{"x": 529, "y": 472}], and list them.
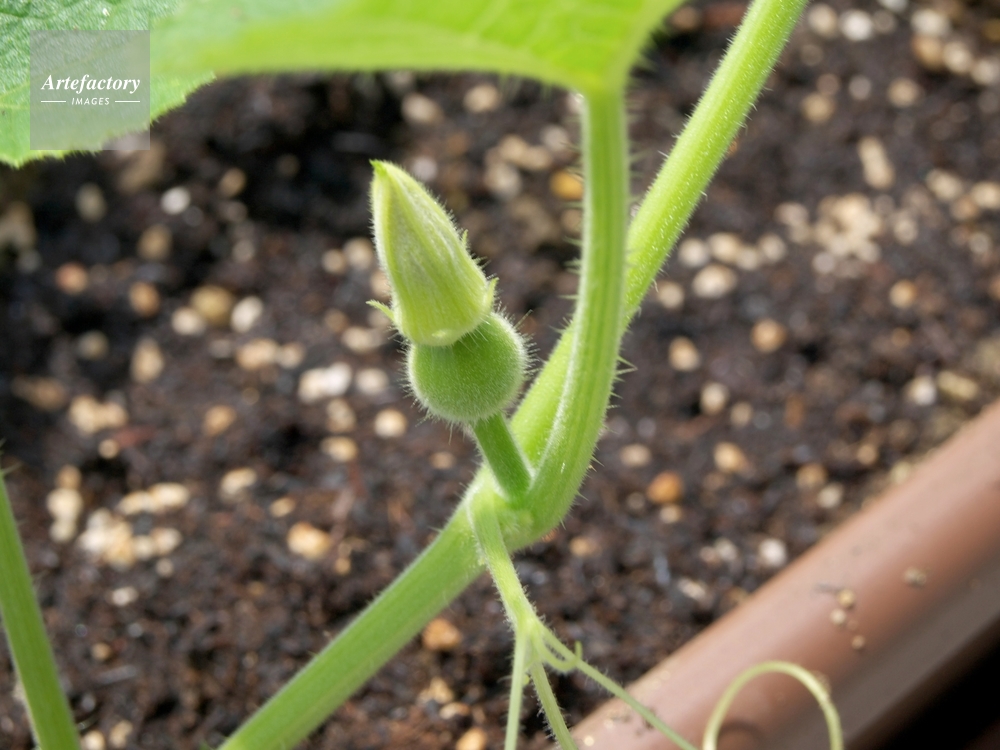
[
  {"x": 472, "y": 379},
  {"x": 439, "y": 293}
]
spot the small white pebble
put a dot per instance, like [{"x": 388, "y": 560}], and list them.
[
  {"x": 380, "y": 286},
  {"x": 930, "y": 22},
  {"x": 822, "y": 20},
  {"x": 218, "y": 419},
  {"x": 670, "y": 294},
  {"x": 714, "y": 397},
  {"x": 695, "y": 590},
  {"x": 921, "y": 391},
  {"x": 372, "y": 381},
  {"x": 442, "y": 460},
  {"x": 281, "y": 507},
  {"x": 768, "y": 336},
  {"x": 986, "y": 71},
  {"x": 147, "y": 361},
  {"x": 957, "y": 57},
  {"x": 154, "y": 243},
  {"x": 232, "y": 182},
  {"x": 635, "y": 455},
  {"x": 186, "y": 321},
  {"x": 175, "y": 200},
  {"x": 986, "y": 195},
  {"x": 236, "y": 482},
  {"x": 831, "y": 496},
  {"x": 90, "y": 203},
  {"x": 257, "y": 354},
  {"x": 683, "y": 355},
  {"x": 324, "y": 382},
  {"x": 90, "y": 416},
  {"x": 69, "y": 477},
  {"x": 144, "y": 299},
  {"x": 93, "y": 346},
  {"x": 667, "y": 487},
  {"x": 390, "y": 423},
  {"x": 860, "y": 87},
  {"x": 306, "y": 540},
  {"x": 773, "y": 553},
  {"x": 584, "y": 546},
  {"x": 168, "y": 496},
  {"x": 360, "y": 253},
  {"x": 725, "y": 247},
  {"x": 810, "y": 476},
  {"x": 340, "y": 416},
  {"x": 165, "y": 540},
  {"x": 483, "y": 97},
  {"x": 818, "y": 108},
  {"x": 362, "y": 340},
  {"x": 340, "y": 449},
  {"x": 729, "y": 458},
  {"x": 714, "y": 281},
  {"x": 334, "y": 262},
  {"x": 693, "y": 253},
  {"x": 92, "y": 740},
  {"x": 878, "y": 170},
  {"x": 213, "y": 303},
  {"x": 856, "y": 25},
  {"x": 290, "y": 355},
  {"x": 903, "y": 294},
  {"x": 502, "y": 180},
  {"x": 473, "y": 739},
  {"x": 72, "y": 278},
  {"x": 957, "y": 387},
  {"x": 772, "y": 248},
  {"x": 423, "y": 167},
  {"x": 246, "y": 313},
  {"x": 440, "y": 635},
  {"x": 904, "y": 92},
  {"x": 421, "y": 110},
  {"x": 109, "y": 539},
  {"x": 741, "y": 414},
  {"x": 945, "y": 185},
  {"x": 118, "y": 736},
  {"x": 122, "y": 597}
]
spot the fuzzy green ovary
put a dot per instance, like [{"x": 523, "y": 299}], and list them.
[{"x": 474, "y": 378}]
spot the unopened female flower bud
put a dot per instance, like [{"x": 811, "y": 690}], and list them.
[
  {"x": 474, "y": 378},
  {"x": 439, "y": 293}
]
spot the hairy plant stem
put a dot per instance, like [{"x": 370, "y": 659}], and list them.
[
  {"x": 546, "y": 424},
  {"x": 48, "y": 708},
  {"x": 504, "y": 457}
]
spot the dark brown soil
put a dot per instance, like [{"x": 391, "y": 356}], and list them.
[{"x": 185, "y": 646}]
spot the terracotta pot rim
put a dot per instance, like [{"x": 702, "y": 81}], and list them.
[{"x": 890, "y": 607}]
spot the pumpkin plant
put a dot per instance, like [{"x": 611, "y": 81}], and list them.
[{"x": 465, "y": 361}]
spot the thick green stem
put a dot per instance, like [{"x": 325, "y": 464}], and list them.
[
  {"x": 444, "y": 569},
  {"x": 48, "y": 708},
  {"x": 699, "y": 151},
  {"x": 503, "y": 456}
]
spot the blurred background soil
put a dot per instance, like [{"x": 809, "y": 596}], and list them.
[{"x": 213, "y": 456}]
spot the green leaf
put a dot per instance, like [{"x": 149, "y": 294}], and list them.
[
  {"x": 581, "y": 44},
  {"x": 18, "y": 18}
]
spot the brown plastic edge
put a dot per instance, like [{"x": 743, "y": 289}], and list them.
[{"x": 922, "y": 565}]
